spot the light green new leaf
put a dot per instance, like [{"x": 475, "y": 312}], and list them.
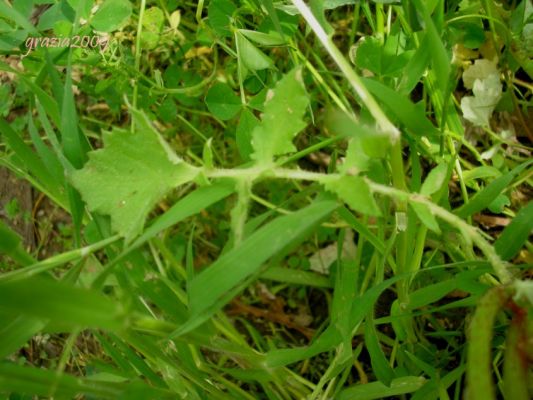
[
  {"x": 354, "y": 191},
  {"x": 111, "y": 15},
  {"x": 130, "y": 175},
  {"x": 282, "y": 120}
]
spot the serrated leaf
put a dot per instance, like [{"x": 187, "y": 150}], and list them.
[
  {"x": 282, "y": 120},
  {"x": 355, "y": 192},
  {"x": 111, "y": 15},
  {"x": 130, "y": 175},
  {"x": 222, "y": 101}
]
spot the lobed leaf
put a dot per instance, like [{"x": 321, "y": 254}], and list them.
[
  {"x": 130, "y": 175},
  {"x": 282, "y": 120}
]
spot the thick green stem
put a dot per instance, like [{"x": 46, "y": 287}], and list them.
[{"x": 479, "y": 357}]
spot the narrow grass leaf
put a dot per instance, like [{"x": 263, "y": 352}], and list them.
[
  {"x": 209, "y": 286},
  {"x": 16, "y": 331},
  {"x": 189, "y": 205},
  {"x": 440, "y": 61},
  {"x": 11, "y": 13},
  {"x": 11, "y": 245},
  {"x": 380, "y": 364},
  {"x": 61, "y": 303},
  {"x": 48, "y": 383},
  {"x": 31, "y": 160},
  {"x": 377, "y": 390},
  {"x": 332, "y": 336},
  {"x": 516, "y": 233},
  {"x": 296, "y": 277},
  {"x": 416, "y": 67},
  {"x": 485, "y": 197},
  {"x": 431, "y": 293},
  {"x": 49, "y": 159}
]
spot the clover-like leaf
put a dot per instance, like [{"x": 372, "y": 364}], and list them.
[
  {"x": 130, "y": 175},
  {"x": 282, "y": 120}
]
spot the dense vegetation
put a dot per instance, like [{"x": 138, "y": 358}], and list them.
[{"x": 244, "y": 199}]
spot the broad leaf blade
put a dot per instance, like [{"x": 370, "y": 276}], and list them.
[
  {"x": 130, "y": 175},
  {"x": 282, "y": 120}
]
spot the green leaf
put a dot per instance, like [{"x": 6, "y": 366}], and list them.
[
  {"x": 380, "y": 364},
  {"x": 425, "y": 215},
  {"x": 30, "y": 160},
  {"x": 222, "y": 101},
  {"x": 130, "y": 175},
  {"x": 516, "y": 233},
  {"x": 111, "y": 15},
  {"x": 435, "y": 180},
  {"x": 153, "y": 21},
  {"x": 369, "y": 54},
  {"x": 60, "y": 303},
  {"x": 498, "y": 204},
  {"x": 400, "y": 107},
  {"x": 243, "y": 135},
  {"x": 331, "y": 337},
  {"x": 219, "y": 14},
  {"x": 484, "y": 198},
  {"x": 250, "y": 56},
  {"x": 355, "y": 192},
  {"x": 265, "y": 39},
  {"x": 377, "y": 390},
  {"x": 11, "y": 244},
  {"x": 208, "y": 290},
  {"x": 329, "y": 4},
  {"x": 282, "y": 120},
  {"x": 48, "y": 383}
]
